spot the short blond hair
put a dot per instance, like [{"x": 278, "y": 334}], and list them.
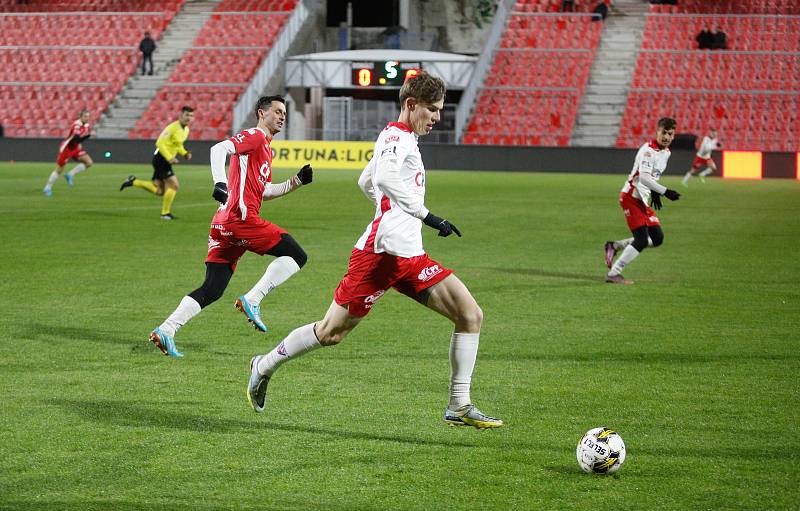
[{"x": 424, "y": 87}]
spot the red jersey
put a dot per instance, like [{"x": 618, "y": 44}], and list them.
[
  {"x": 77, "y": 131},
  {"x": 250, "y": 169}
]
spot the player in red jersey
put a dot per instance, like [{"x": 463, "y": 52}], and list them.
[
  {"x": 390, "y": 255},
  {"x": 237, "y": 227},
  {"x": 69, "y": 149}
]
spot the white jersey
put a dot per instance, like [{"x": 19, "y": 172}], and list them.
[
  {"x": 650, "y": 164},
  {"x": 394, "y": 179},
  {"x": 706, "y": 146}
]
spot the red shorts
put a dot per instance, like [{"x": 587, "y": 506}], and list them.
[
  {"x": 370, "y": 275},
  {"x": 68, "y": 154},
  {"x": 701, "y": 163},
  {"x": 637, "y": 213},
  {"x": 227, "y": 242}
]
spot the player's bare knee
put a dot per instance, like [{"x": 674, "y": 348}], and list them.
[{"x": 470, "y": 319}]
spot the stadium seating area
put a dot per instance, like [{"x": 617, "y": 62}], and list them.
[
  {"x": 80, "y": 60},
  {"x": 783, "y": 7},
  {"x": 168, "y": 7},
  {"x": 256, "y": 5},
  {"x": 744, "y": 33},
  {"x": 750, "y": 91},
  {"x": 541, "y": 68},
  {"x": 225, "y": 55}
]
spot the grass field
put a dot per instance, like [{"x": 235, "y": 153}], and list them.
[{"x": 696, "y": 365}]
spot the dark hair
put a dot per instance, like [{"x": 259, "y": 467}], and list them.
[
  {"x": 667, "y": 123},
  {"x": 423, "y": 87},
  {"x": 187, "y": 109},
  {"x": 264, "y": 101}
]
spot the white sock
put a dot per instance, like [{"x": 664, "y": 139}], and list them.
[
  {"x": 187, "y": 309},
  {"x": 463, "y": 352},
  {"x": 706, "y": 172},
  {"x": 277, "y": 273},
  {"x": 687, "y": 177},
  {"x": 628, "y": 255},
  {"x": 77, "y": 168},
  {"x": 300, "y": 341},
  {"x": 51, "y": 180},
  {"x": 621, "y": 244}
]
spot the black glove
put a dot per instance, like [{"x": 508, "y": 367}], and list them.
[
  {"x": 220, "y": 192},
  {"x": 672, "y": 194},
  {"x": 445, "y": 228},
  {"x": 306, "y": 174},
  {"x": 656, "y": 200}
]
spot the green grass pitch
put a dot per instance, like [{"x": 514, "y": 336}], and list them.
[{"x": 696, "y": 365}]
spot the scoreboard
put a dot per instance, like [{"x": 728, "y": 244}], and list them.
[{"x": 387, "y": 73}]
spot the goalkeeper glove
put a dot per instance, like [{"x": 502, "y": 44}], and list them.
[
  {"x": 444, "y": 227},
  {"x": 306, "y": 174},
  {"x": 656, "y": 200},
  {"x": 220, "y": 192},
  {"x": 672, "y": 194}
]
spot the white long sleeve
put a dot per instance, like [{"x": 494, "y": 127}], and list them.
[
  {"x": 387, "y": 178},
  {"x": 219, "y": 154},
  {"x": 273, "y": 191},
  {"x": 365, "y": 182},
  {"x": 646, "y": 179}
]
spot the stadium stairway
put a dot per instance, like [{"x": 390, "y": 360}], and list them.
[
  {"x": 126, "y": 109},
  {"x": 603, "y": 104}
]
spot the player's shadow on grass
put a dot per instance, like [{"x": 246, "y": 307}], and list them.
[
  {"x": 537, "y": 272},
  {"x": 127, "y": 414},
  {"x": 37, "y": 331}
]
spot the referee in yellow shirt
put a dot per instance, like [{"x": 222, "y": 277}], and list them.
[{"x": 168, "y": 146}]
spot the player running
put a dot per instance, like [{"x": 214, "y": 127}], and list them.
[
  {"x": 71, "y": 149},
  {"x": 390, "y": 255},
  {"x": 642, "y": 188},
  {"x": 703, "y": 161},
  {"x": 237, "y": 227}
]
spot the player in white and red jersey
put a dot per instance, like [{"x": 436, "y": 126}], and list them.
[
  {"x": 390, "y": 255},
  {"x": 703, "y": 163},
  {"x": 237, "y": 227},
  {"x": 641, "y": 189},
  {"x": 70, "y": 149}
]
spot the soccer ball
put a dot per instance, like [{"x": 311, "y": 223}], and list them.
[{"x": 601, "y": 450}]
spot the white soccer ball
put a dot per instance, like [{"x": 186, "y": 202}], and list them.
[{"x": 601, "y": 450}]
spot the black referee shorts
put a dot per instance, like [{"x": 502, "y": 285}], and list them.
[{"x": 162, "y": 169}]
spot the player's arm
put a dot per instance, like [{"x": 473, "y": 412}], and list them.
[
  {"x": 365, "y": 181},
  {"x": 304, "y": 177},
  {"x": 219, "y": 154},
  {"x": 646, "y": 166},
  {"x": 647, "y": 180},
  {"x": 387, "y": 177}
]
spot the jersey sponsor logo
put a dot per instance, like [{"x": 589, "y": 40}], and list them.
[
  {"x": 648, "y": 154},
  {"x": 371, "y": 299},
  {"x": 428, "y": 273},
  {"x": 264, "y": 173},
  {"x": 391, "y": 138},
  {"x": 389, "y": 152}
]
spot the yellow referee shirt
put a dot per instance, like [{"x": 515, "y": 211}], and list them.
[{"x": 171, "y": 140}]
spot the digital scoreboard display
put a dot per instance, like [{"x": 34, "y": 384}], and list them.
[{"x": 388, "y": 73}]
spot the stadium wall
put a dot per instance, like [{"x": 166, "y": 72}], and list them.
[{"x": 332, "y": 155}]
